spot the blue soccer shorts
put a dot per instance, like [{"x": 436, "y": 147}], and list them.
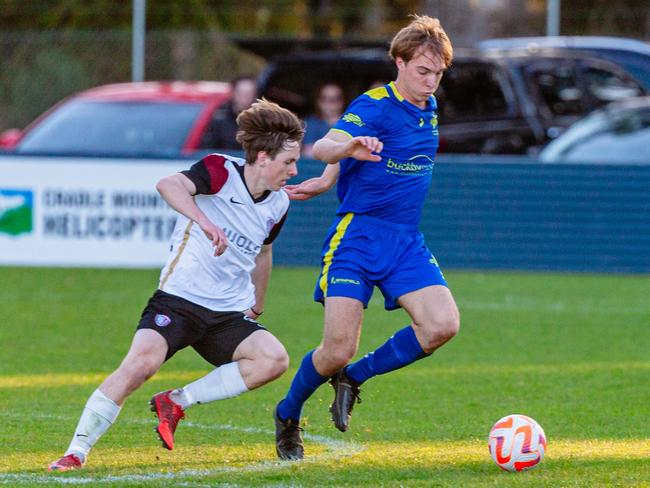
[{"x": 362, "y": 252}]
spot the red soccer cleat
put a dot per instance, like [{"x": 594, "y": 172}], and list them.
[
  {"x": 66, "y": 463},
  {"x": 169, "y": 413}
]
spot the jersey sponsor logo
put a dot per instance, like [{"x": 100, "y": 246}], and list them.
[
  {"x": 418, "y": 165},
  {"x": 353, "y": 119},
  {"x": 162, "y": 320},
  {"x": 241, "y": 242},
  {"x": 343, "y": 281},
  {"x": 16, "y": 211},
  {"x": 434, "y": 125},
  {"x": 232, "y": 200}
]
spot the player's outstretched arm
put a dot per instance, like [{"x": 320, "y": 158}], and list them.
[
  {"x": 314, "y": 186},
  {"x": 337, "y": 145},
  {"x": 177, "y": 190}
]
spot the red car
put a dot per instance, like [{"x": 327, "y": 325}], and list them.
[{"x": 149, "y": 119}]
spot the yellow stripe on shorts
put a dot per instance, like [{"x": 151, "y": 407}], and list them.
[{"x": 334, "y": 244}]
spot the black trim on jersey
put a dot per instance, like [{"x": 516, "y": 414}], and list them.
[
  {"x": 198, "y": 174},
  {"x": 205, "y": 182},
  {"x": 240, "y": 170},
  {"x": 276, "y": 229}
]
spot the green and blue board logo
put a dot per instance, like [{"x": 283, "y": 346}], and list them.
[{"x": 16, "y": 211}]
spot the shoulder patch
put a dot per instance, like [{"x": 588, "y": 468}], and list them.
[
  {"x": 377, "y": 93},
  {"x": 215, "y": 165},
  {"x": 353, "y": 119}
]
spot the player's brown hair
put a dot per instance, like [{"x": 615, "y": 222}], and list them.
[
  {"x": 266, "y": 126},
  {"x": 423, "y": 32}
]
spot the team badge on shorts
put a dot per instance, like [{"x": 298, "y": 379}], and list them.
[{"x": 162, "y": 320}]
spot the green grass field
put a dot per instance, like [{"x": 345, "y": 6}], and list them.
[{"x": 571, "y": 351}]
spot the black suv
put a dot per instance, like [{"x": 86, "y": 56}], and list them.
[{"x": 502, "y": 103}]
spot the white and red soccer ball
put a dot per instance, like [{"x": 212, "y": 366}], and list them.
[{"x": 517, "y": 443}]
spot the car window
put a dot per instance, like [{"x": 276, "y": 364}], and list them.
[
  {"x": 471, "y": 91},
  {"x": 556, "y": 88},
  {"x": 606, "y": 86},
  {"x": 113, "y": 128},
  {"x": 621, "y": 137}
]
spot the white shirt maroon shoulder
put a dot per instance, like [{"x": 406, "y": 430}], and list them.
[{"x": 222, "y": 283}]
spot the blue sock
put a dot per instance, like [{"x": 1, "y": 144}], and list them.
[
  {"x": 400, "y": 350},
  {"x": 306, "y": 381}
]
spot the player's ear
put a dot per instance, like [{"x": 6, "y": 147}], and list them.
[{"x": 262, "y": 158}]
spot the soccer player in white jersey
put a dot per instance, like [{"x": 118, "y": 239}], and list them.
[{"x": 213, "y": 286}]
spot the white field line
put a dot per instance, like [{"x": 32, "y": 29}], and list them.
[{"x": 336, "y": 449}]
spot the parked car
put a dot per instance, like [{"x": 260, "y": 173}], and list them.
[
  {"x": 557, "y": 87},
  {"x": 502, "y": 103},
  {"x": 616, "y": 134},
  {"x": 149, "y": 119},
  {"x": 630, "y": 54}
]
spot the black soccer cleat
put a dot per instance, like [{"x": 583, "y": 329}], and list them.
[
  {"x": 346, "y": 394},
  {"x": 288, "y": 440}
]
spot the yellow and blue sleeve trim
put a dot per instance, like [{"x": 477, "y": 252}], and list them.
[
  {"x": 343, "y": 132},
  {"x": 335, "y": 241},
  {"x": 377, "y": 93}
]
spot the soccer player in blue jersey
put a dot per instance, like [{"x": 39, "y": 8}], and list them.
[{"x": 382, "y": 151}]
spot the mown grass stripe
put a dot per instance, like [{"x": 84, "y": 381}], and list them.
[{"x": 56, "y": 380}]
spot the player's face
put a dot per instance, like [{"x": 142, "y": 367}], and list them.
[
  {"x": 419, "y": 78},
  {"x": 283, "y": 166}
]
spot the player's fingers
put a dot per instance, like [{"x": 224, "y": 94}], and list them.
[
  {"x": 372, "y": 143},
  {"x": 220, "y": 243}
]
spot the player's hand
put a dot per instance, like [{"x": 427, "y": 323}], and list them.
[
  {"x": 250, "y": 314},
  {"x": 217, "y": 236},
  {"x": 364, "y": 148},
  {"x": 307, "y": 189}
]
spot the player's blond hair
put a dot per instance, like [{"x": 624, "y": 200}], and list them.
[
  {"x": 265, "y": 126},
  {"x": 423, "y": 32}
]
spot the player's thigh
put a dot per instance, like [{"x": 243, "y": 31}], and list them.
[
  {"x": 432, "y": 307},
  {"x": 342, "y": 325},
  {"x": 261, "y": 344},
  {"x": 178, "y": 321},
  {"x": 224, "y": 332},
  {"x": 146, "y": 354}
]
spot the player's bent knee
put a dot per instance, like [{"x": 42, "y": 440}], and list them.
[
  {"x": 440, "y": 330},
  {"x": 275, "y": 361},
  {"x": 278, "y": 364},
  {"x": 140, "y": 369},
  {"x": 335, "y": 359},
  {"x": 447, "y": 328}
]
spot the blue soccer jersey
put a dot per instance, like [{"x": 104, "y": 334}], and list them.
[{"x": 393, "y": 189}]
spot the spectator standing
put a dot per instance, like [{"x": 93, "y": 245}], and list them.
[
  {"x": 329, "y": 103},
  {"x": 223, "y": 128}
]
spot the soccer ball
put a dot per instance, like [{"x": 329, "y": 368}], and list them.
[{"x": 517, "y": 443}]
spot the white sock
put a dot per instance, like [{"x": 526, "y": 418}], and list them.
[
  {"x": 224, "y": 382},
  {"x": 98, "y": 415}
]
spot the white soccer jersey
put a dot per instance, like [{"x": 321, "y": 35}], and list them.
[{"x": 222, "y": 283}]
